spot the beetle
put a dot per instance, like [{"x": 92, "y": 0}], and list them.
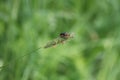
[{"x": 65, "y": 35}]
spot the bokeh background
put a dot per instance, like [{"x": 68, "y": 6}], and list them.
[{"x": 93, "y": 54}]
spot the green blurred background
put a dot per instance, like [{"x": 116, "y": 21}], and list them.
[{"x": 93, "y": 54}]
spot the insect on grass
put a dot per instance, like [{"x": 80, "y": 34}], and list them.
[{"x": 62, "y": 38}]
